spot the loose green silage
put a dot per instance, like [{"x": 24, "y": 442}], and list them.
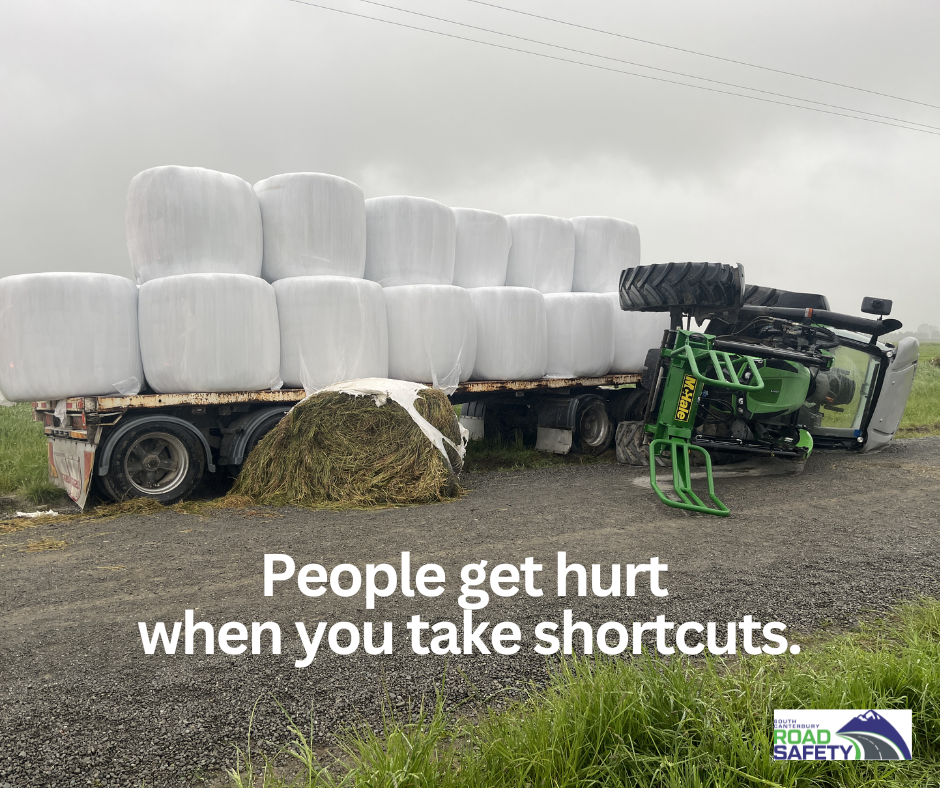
[{"x": 337, "y": 450}]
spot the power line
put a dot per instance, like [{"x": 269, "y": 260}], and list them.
[
  {"x": 607, "y": 68},
  {"x": 643, "y": 65},
  {"x": 702, "y": 54}
]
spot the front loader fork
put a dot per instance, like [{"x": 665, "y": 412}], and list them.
[{"x": 682, "y": 388}]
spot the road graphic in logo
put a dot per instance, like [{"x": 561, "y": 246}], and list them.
[
  {"x": 878, "y": 739},
  {"x": 842, "y": 735}
]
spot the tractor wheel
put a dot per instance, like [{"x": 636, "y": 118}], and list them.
[
  {"x": 630, "y": 447},
  {"x": 755, "y": 295},
  {"x": 664, "y": 286}
]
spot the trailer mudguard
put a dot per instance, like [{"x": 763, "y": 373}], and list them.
[{"x": 104, "y": 458}]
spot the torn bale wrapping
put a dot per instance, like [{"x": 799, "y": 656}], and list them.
[{"x": 336, "y": 449}]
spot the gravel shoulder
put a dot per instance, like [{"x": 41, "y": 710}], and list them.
[{"x": 82, "y": 704}]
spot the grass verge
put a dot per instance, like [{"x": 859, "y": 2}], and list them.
[
  {"x": 23, "y": 457},
  {"x": 491, "y": 454},
  {"x": 654, "y": 722},
  {"x": 922, "y": 414}
]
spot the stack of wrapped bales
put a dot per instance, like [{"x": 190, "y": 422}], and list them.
[
  {"x": 510, "y": 321},
  {"x": 410, "y": 252},
  {"x": 301, "y": 280},
  {"x": 604, "y": 247},
  {"x": 208, "y": 322},
  {"x": 332, "y": 321},
  {"x": 579, "y": 331}
]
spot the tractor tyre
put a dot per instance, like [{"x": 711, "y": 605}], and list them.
[
  {"x": 630, "y": 447},
  {"x": 665, "y": 286}
]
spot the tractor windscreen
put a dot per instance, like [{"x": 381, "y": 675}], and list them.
[{"x": 843, "y": 391}]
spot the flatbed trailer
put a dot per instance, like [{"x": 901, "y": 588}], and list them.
[{"x": 161, "y": 445}]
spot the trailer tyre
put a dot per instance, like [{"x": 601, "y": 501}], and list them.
[
  {"x": 595, "y": 430},
  {"x": 159, "y": 460}
]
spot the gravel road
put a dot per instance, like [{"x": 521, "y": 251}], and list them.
[{"x": 82, "y": 704}]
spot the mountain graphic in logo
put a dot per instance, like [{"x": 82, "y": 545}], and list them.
[{"x": 877, "y": 738}]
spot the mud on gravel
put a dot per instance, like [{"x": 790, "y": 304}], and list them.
[{"x": 82, "y": 704}]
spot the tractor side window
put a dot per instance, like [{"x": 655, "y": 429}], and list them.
[{"x": 849, "y": 383}]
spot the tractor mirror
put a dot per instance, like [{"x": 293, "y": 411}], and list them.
[{"x": 876, "y": 306}]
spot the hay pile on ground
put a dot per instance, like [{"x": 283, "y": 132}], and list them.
[{"x": 338, "y": 450}]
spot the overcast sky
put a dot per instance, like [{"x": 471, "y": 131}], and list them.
[{"x": 93, "y": 92}]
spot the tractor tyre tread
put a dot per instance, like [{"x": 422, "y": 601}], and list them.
[{"x": 662, "y": 286}]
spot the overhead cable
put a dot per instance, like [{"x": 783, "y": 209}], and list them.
[
  {"x": 643, "y": 65},
  {"x": 702, "y": 54},
  {"x": 607, "y": 68}
]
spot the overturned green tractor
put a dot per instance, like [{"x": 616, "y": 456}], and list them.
[{"x": 772, "y": 374}]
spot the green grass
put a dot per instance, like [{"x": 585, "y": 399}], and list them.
[
  {"x": 922, "y": 415},
  {"x": 653, "y": 722},
  {"x": 23, "y": 457},
  {"x": 495, "y": 454}
]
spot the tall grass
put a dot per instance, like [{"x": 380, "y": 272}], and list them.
[
  {"x": 922, "y": 415},
  {"x": 662, "y": 723},
  {"x": 24, "y": 457}
]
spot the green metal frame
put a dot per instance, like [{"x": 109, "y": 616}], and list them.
[{"x": 672, "y": 432}]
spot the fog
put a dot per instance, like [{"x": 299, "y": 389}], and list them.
[{"x": 93, "y": 92}]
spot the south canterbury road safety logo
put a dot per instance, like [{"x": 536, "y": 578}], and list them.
[
  {"x": 842, "y": 735},
  {"x": 686, "y": 397}
]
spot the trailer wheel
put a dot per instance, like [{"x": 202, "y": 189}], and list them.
[
  {"x": 159, "y": 460},
  {"x": 594, "y": 431}
]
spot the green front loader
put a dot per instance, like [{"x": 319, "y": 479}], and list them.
[{"x": 771, "y": 371}]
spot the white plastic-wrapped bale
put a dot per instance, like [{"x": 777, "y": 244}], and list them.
[
  {"x": 333, "y": 329},
  {"x": 314, "y": 225},
  {"x": 603, "y": 247},
  {"x": 209, "y": 333},
  {"x": 409, "y": 241},
  {"x": 635, "y": 333},
  {"x": 42, "y": 316},
  {"x": 189, "y": 220},
  {"x": 432, "y": 334},
  {"x": 542, "y": 253},
  {"x": 512, "y": 340},
  {"x": 483, "y": 243},
  {"x": 580, "y": 334}
]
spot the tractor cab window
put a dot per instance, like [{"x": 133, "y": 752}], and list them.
[{"x": 841, "y": 393}]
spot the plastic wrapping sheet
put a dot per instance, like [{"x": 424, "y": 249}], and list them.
[
  {"x": 209, "y": 333},
  {"x": 483, "y": 243},
  {"x": 333, "y": 329},
  {"x": 4, "y": 402},
  {"x": 634, "y": 334},
  {"x": 603, "y": 247},
  {"x": 188, "y": 220},
  {"x": 580, "y": 334},
  {"x": 314, "y": 225},
  {"x": 512, "y": 339},
  {"x": 68, "y": 335},
  {"x": 404, "y": 393},
  {"x": 409, "y": 241},
  {"x": 432, "y": 334},
  {"x": 542, "y": 253}
]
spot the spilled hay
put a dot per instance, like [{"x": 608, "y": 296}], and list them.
[{"x": 338, "y": 450}]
